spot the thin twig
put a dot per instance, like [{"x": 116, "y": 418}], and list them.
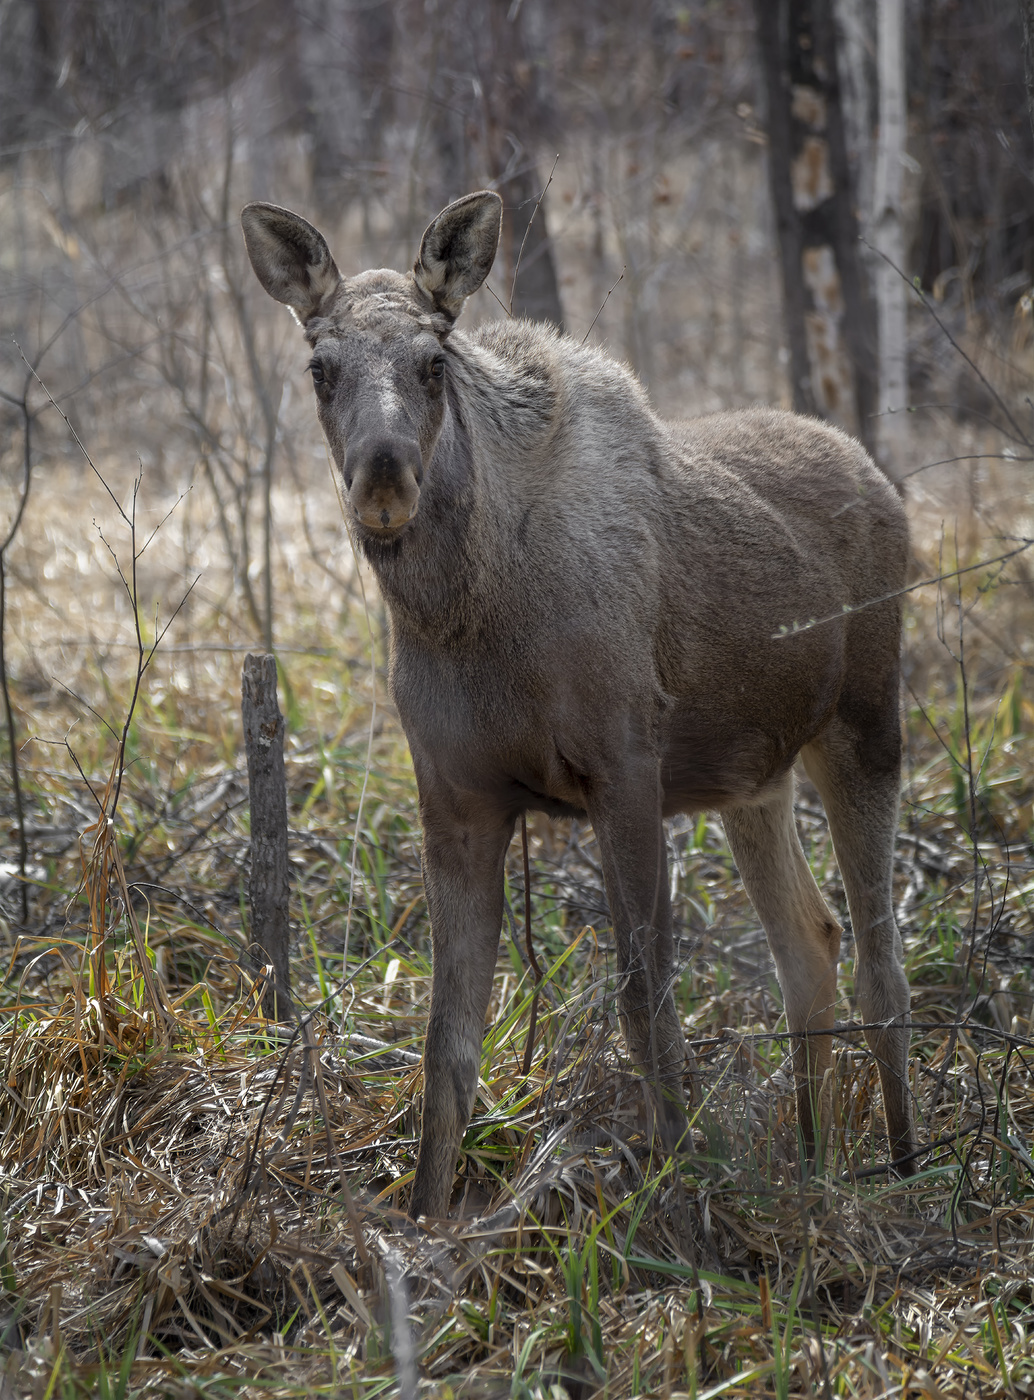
[
  {"x": 75, "y": 435},
  {"x": 885, "y": 1168},
  {"x": 12, "y": 744},
  {"x": 144, "y": 655},
  {"x": 966, "y": 457},
  {"x": 527, "y": 231},
  {"x": 492, "y": 292},
  {"x": 26, "y": 473},
  {"x": 599, "y": 313},
  {"x": 979, "y": 867},
  {"x": 954, "y": 408},
  {"x": 793, "y": 628},
  {"x": 530, "y": 1046},
  {"x": 12, "y": 735}
]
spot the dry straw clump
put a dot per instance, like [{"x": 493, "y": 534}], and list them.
[
  {"x": 210, "y": 1207},
  {"x": 200, "y": 1206}
]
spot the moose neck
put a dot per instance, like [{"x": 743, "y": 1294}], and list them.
[{"x": 445, "y": 575}]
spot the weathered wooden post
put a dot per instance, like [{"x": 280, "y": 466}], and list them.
[{"x": 269, "y": 885}]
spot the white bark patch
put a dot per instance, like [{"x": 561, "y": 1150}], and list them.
[
  {"x": 832, "y": 383},
  {"x": 810, "y": 174},
  {"x": 809, "y": 106}
]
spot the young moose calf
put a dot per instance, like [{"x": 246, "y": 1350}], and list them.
[{"x": 588, "y": 613}]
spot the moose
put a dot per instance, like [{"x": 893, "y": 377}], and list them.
[{"x": 598, "y": 613}]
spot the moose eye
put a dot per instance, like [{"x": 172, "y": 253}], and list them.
[
  {"x": 436, "y": 369},
  {"x": 316, "y": 370}
]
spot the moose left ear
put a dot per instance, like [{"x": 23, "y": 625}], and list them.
[
  {"x": 290, "y": 257},
  {"x": 458, "y": 249}
]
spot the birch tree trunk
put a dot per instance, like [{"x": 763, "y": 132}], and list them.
[
  {"x": 830, "y": 320},
  {"x": 888, "y": 237}
]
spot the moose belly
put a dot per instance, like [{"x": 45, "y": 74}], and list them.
[
  {"x": 713, "y": 760},
  {"x": 700, "y": 771}
]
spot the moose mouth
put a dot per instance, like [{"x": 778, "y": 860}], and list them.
[{"x": 385, "y": 524}]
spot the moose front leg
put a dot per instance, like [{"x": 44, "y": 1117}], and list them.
[
  {"x": 626, "y": 817},
  {"x": 463, "y": 878}
]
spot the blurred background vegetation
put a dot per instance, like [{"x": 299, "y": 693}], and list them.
[{"x": 132, "y": 134}]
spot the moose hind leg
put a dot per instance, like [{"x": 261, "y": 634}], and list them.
[
  {"x": 803, "y": 936},
  {"x": 857, "y": 774}
]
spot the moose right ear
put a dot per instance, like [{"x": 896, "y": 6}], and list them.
[
  {"x": 458, "y": 249},
  {"x": 291, "y": 258}
]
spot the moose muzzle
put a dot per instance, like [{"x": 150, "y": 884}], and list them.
[{"x": 382, "y": 479}]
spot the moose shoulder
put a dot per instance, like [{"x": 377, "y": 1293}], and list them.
[{"x": 589, "y": 612}]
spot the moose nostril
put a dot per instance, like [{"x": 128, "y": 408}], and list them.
[{"x": 385, "y": 518}]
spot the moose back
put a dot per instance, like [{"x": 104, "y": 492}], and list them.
[{"x": 593, "y": 612}]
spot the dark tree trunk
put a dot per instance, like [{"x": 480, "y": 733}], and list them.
[
  {"x": 771, "y": 26},
  {"x": 830, "y": 318},
  {"x": 511, "y": 107},
  {"x": 1027, "y": 17},
  {"x": 858, "y": 326},
  {"x": 269, "y": 886}
]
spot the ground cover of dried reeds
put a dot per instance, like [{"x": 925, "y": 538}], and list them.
[{"x": 196, "y": 1202}]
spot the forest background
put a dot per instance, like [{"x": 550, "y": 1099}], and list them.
[{"x": 826, "y": 206}]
